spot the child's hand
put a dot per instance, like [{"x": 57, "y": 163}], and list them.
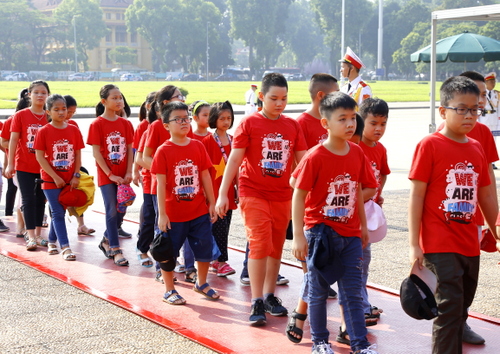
[
  {"x": 364, "y": 237},
  {"x": 74, "y": 182},
  {"x": 127, "y": 179},
  {"x": 59, "y": 182},
  {"x": 417, "y": 254},
  {"x": 380, "y": 200},
  {"x": 136, "y": 179},
  {"x": 222, "y": 205},
  {"x": 9, "y": 172},
  {"x": 118, "y": 180},
  {"x": 299, "y": 245},
  {"x": 163, "y": 222},
  {"x": 213, "y": 214}
]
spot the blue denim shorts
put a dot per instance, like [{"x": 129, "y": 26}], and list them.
[{"x": 199, "y": 235}]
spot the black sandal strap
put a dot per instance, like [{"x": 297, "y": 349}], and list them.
[{"x": 299, "y": 316}]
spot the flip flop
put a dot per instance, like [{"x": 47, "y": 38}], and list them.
[{"x": 210, "y": 294}]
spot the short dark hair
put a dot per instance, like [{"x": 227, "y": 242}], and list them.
[
  {"x": 320, "y": 82},
  {"x": 457, "y": 85},
  {"x": 273, "y": 79},
  {"x": 193, "y": 105},
  {"x": 473, "y": 75},
  {"x": 360, "y": 125},
  {"x": 49, "y": 102},
  {"x": 167, "y": 109},
  {"x": 70, "y": 101},
  {"x": 333, "y": 101},
  {"x": 374, "y": 106},
  {"x": 216, "y": 110}
]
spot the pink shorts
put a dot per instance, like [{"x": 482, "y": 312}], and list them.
[{"x": 265, "y": 224}]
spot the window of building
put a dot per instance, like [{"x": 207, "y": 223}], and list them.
[
  {"x": 109, "y": 36},
  {"x": 108, "y": 16},
  {"x": 133, "y": 37},
  {"x": 121, "y": 35}
]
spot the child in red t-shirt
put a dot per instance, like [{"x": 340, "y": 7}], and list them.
[
  {"x": 218, "y": 146},
  {"x": 58, "y": 148},
  {"x": 265, "y": 145},
  {"x": 328, "y": 199},
  {"x": 185, "y": 200},
  {"x": 200, "y": 110},
  {"x": 450, "y": 179},
  {"x": 111, "y": 138},
  {"x": 23, "y": 163}
]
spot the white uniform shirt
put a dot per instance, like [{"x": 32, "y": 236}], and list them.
[
  {"x": 364, "y": 92},
  {"x": 250, "y": 102},
  {"x": 490, "y": 118}
]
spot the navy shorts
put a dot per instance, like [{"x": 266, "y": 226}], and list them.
[{"x": 199, "y": 235}]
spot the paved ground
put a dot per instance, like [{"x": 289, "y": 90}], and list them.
[{"x": 39, "y": 314}]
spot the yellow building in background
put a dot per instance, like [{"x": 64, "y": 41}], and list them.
[{"x": 114, "y": 17}]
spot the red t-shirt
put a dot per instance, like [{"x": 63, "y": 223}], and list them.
[
  {"x": 1, "y": 126},
  {"x": 6, "y": 129},
  {"x": 113, "y": 138},
  {"x": 453, "y": 172},
  {"x": 219, "y": 165},
  {"x": 182, "y": 165},
  {"x": 146, "y": 174},
  {"x": 71, "y": 121},
  {"x": 270, "y": 147},
  {"x": 139, "y": 131},
  {"x": 27, "y": 124},
  {"x": 157, "y": 135},
  {"x": 200, "y": 137},
  {"x": 377, "y": 158},
  {"x": 333, "y": 187},
  {"x": 313, "y": 130},
  {"x": 59, "y": 146}
]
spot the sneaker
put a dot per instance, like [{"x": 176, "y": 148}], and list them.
[
  {"x": 282, "y": 280},
  {"x": 3, "y": 228},
  {"x": 245, "y": 280},
  {"x": 273, "y": 306},
  {"x": 214, "y": 266},
  {"x": 179, "y": 268},
  {"x": 322, "y": 348},
  {"x": 123, "y": 234},
  {"x": 257, "y": 314},
  {"x": 332, "y": 294},
  {"x": 225, "y": 270},
  {"x": 369, "y": 350},
  {"x": 471, "y": 337}
]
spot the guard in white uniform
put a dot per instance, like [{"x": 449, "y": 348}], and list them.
[
  {"x": 356, "y": 88},
  {"x": 490, "y": 117},
  {"x": 250, "y": 106}
]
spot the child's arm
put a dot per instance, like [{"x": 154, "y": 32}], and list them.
[
  {"x": 233, "y": 164},
  {"x": 45, "y": 165},
  {"x": 130, "y": 162},
  {"x": 415, "y": 210},
  {"x": 5, "y": 143},
  {"x": 299, "y": 243},
  {"x": 74, "y": 182},
  {"x": 147, "y": 158},
  {"x": 362, "y": 216},
  {"x": 367, "y": 193},
  {"x": 96, "y": 150},
  {"x": 299, "y": 155},
  {"x": 383, "y": 179},
  {"x": 206, "y": 182},
  {"x": 136, "y": 174},
  {"x": 9, "y": 169},
  {"x": 489, "y": 208},
  {"x": 139, "y": 159},
  {"x": 163, "y": 220}
]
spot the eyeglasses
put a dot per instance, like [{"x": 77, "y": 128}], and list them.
[
  {"x": 181, "y": 120},
  {"x": 180, "y": 97},
  {"x": 464, "y": 111}
]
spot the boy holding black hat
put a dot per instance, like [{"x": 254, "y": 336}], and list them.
[{"x": 450, "y": 180}]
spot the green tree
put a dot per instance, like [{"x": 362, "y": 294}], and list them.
[
  {"x": 87, "y": 16},
  {"x": 123, "y": 55}
]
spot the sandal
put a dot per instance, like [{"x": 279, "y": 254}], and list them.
[
  {"x": 104, "y": 241},
  {"x": 145, "y": 262},
  {"x": 375, "y": 311},
  {"x": 173, "y": 298},
  {"x": 370, "y": 320},
  {"x": 68, "y": 255},
  {"x": 85, "y": 231},
  {"x": 31, "y": 245},
  {"x": 21, "y": 233},
  {"x": 291, "y": 327},
  {"x": 122, "y": 262},
  {"x": 191, "y": 277},
  {"x": 44, "y": 222},
  {"x": 210, "y": 294},
  {"x": 342, "y": 337},
  {"x": 41, "y": 241},
  {"x": 52, "y": 249}
]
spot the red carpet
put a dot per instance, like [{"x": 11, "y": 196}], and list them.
[{"x": 221, "y": 325}]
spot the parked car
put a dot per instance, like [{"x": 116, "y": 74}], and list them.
[
  {"x": 130, "y": 77},
  {"x": 17, "y": 77},
  {"x": 191, "y": 77},
  {"x": 78, "y": 77}
]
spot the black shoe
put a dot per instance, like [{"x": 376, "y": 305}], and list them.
[
  {"x": 273, "y": 306},
  {"x": 123, "y": 234},
  {"x": 332, "y": 294},
  {"x": 471, "y": 337},
  {"x": 494, "y": 167},
  {"x": 258, "y": 314},
  {"x": 3, "y": 228}
]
